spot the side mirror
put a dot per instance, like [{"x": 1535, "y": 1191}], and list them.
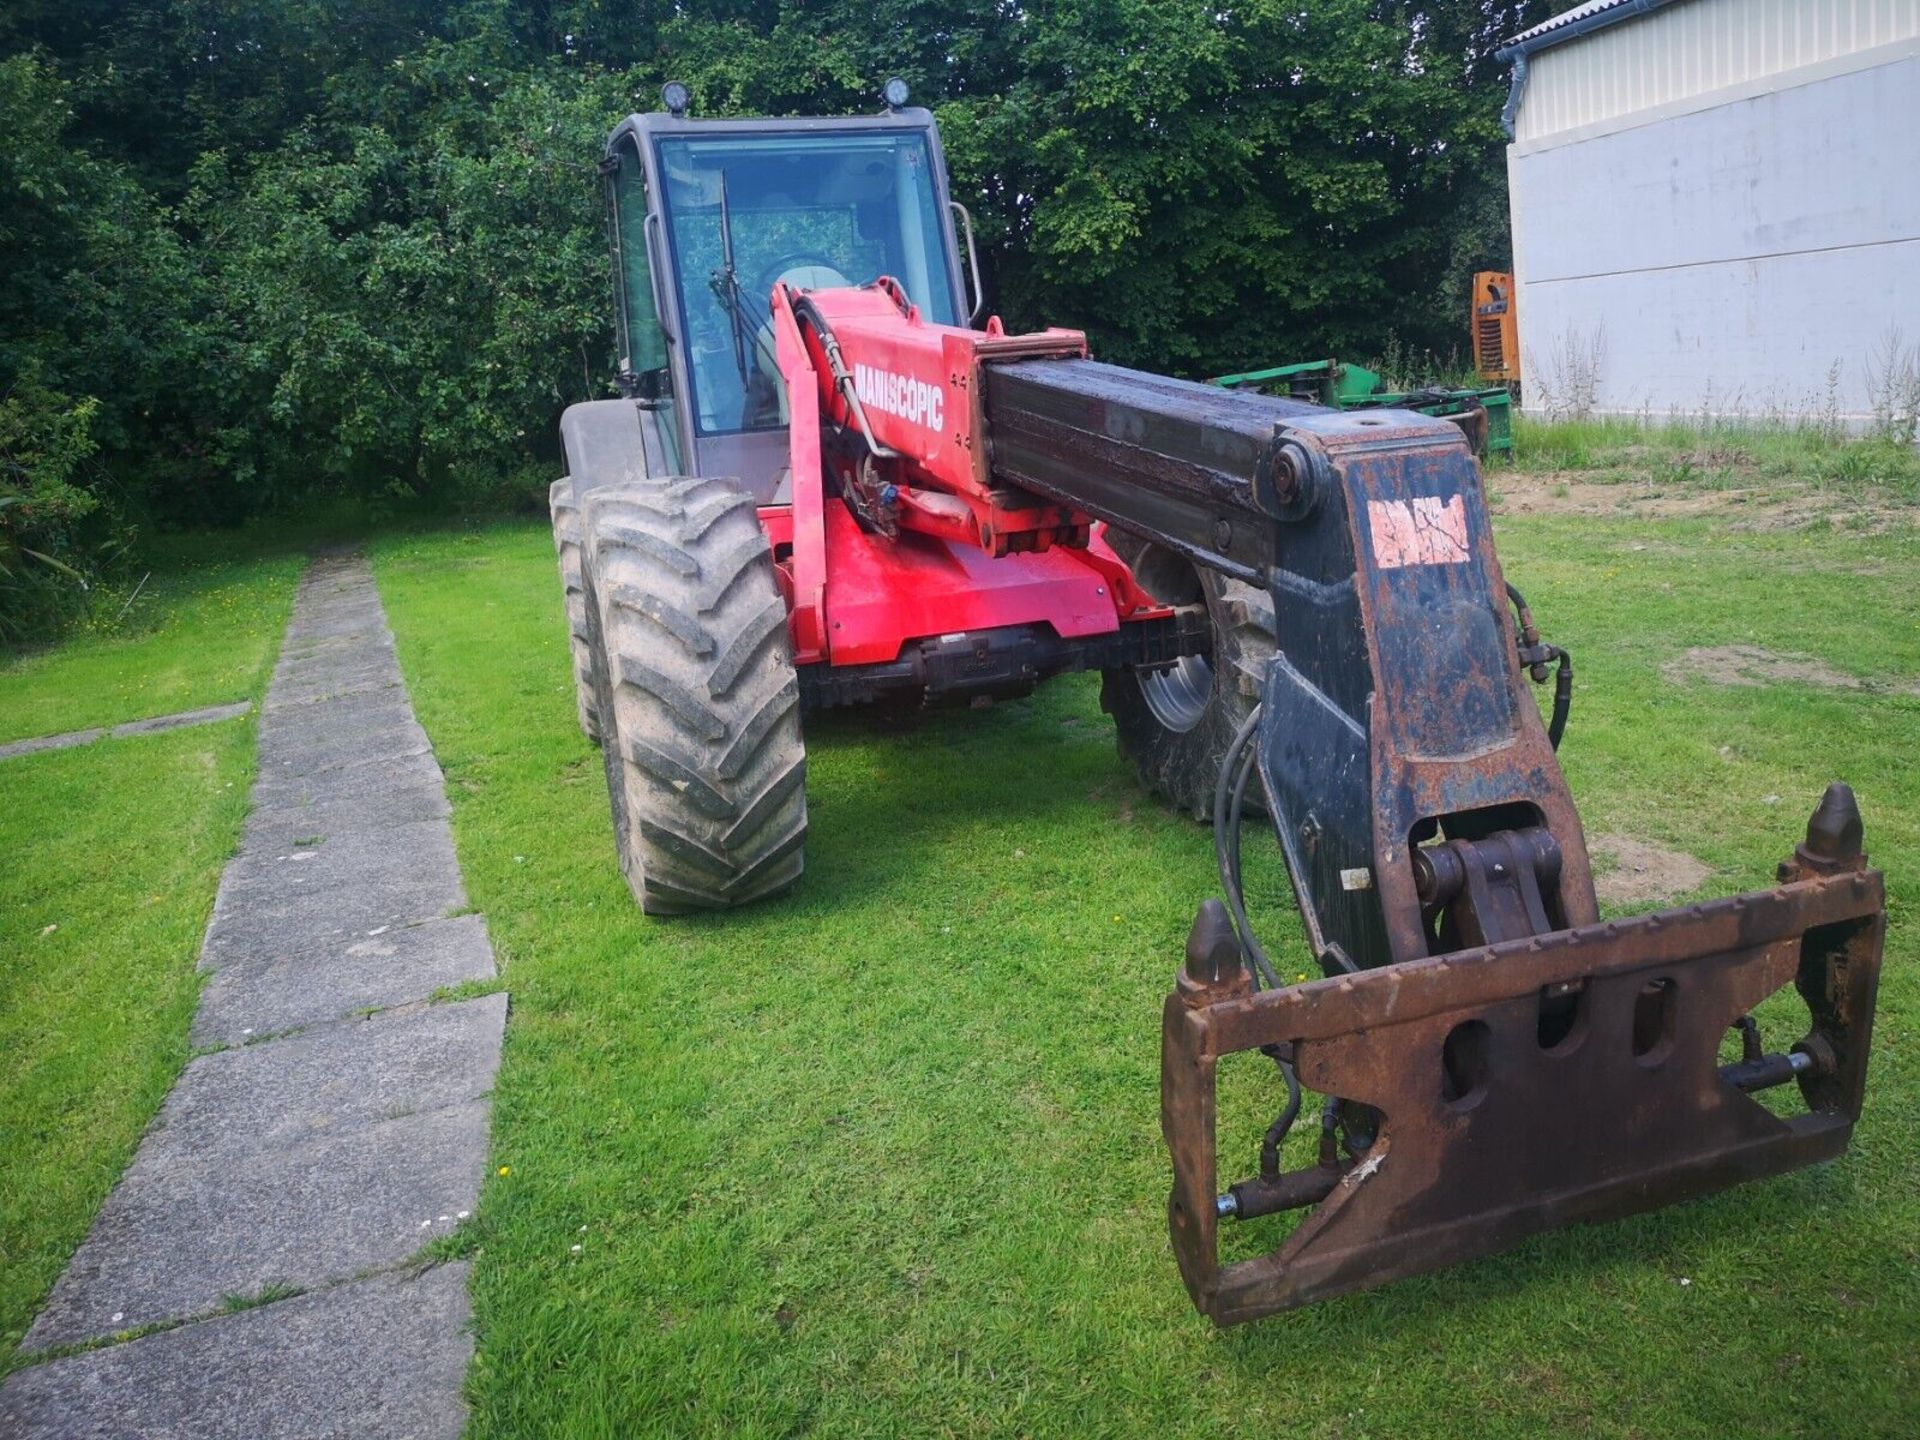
[{"x": 973, "y": 263}]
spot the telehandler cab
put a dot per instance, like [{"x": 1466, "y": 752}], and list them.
[{"x": 827, "y": 484}]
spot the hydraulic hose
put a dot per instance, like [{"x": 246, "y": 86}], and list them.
[
  {"x": 1562, "y": 697},
  {"x": 1277, "y": 1132},
  {"x": 1229, "y": 798},
  {"x": 1536, "y": 655}
]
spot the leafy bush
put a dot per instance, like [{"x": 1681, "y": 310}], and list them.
[{"x": 45, "y": 437}]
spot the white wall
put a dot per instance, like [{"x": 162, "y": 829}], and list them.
[
  {"x": 1682, "y": 51},
  {"x": 1724, "y": 256}
]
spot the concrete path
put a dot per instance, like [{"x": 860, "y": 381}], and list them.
[
  {"x": 273, "y": 1214},
  {"x": 153, "y": 725}
]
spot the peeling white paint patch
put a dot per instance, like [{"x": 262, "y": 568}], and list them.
[{"x": 1365, "y": 1169}]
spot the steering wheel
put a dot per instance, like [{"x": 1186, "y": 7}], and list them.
[
  {"x": 805, "y": 269},
  {"x": 766, "y": 400}
]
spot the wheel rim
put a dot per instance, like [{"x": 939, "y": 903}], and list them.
[{"x": 1178, "y": 695}]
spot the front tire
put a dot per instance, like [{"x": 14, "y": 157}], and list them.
[
  {"x": 697, "y": 701},
  {"x": 565, "y": 509},
  {"x": 1174, "y": 724}
]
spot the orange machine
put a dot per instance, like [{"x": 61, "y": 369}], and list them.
[{"x": 1496, "y": 336}]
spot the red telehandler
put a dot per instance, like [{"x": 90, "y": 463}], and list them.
[{"x": 823, "y": 486}]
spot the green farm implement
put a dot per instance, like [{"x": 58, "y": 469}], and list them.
[{"x": 1486, "y": 414}]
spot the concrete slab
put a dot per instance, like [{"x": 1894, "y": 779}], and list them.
[
  {"x": 380, "y": 709},
  {"x": 38, "y": 743},
  {"x": 159, "y": 724},
  {"x": 264, "y": 995},
  {"x": 298, "y": 652},
  {"x": 352, "y": 859},
  {"x": 324, "y": 677},
  {"x": 377, "y": 1358},
  {"x": 284, "y": 786},
  {"x": 421, "y": 798},
  {"x": 180, "y": 1234},
  {"x": 260, "y": 919},
  {"x": 356, "y": 1073},
  {"x": 310, "y": 752},
  {"x": 304, "y": 686},
  {"x": 151, "y": 725},
  {"x": 339, "y": 644},
  {"x": 356, "y": 615}
]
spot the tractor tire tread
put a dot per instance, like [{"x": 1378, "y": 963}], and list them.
[
  {"x": 1182, "y": 768},
  {"x": 745, "y": 646},
  {"x": 706, "y": 763},
  {"x": 675, "y": 623},
  {"x": 565, "y": 510}
]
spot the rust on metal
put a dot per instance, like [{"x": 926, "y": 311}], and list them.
[{"x": 1491, "y": 1128}]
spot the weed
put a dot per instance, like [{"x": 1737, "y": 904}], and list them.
[
  {"x": 265, "y": 1295},
  {"x": 1676, "y": 470},
  {"x": 1893, "y": 388},
  {"x": 1566, "y": 381},
  {"x": 1700, "y": 453}
]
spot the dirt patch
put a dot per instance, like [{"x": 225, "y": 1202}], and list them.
[
  {"x": 1559, "y": 493},
  {"x": 1752, "y": 665},
  {"x": 1744, "y": 507},
  {"x": 1642, "y": 874}
]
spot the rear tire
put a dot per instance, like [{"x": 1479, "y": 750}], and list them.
[
  {"x": 697, "y": 701},
  {"x": 1174, "y": 725},
  {"x": 565, "y": 509}
]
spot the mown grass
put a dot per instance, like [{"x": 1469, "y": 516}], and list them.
[
  {"x": 113, "y": 852},
  {"x": 109, "y": 858},
  {"x": 882, "y": 1158},
  {"x": 201, "y": 632}
]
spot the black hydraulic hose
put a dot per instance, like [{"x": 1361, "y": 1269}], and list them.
[
  {"x": 1257, "y": 952},
  {"x": 1520, "y": 604},
  {"x": 1229, "y": 796},
  {"x": 1536, "y": 656},
  {"x": 1237, "y": 767},
  {"x": 804, "y": 310},
  {"x": 1277, "y": 1132},
  {"x": 1222, "y": 795},
  {"x": 1562, "y": 698}
]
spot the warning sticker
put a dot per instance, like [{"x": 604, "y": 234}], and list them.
[{"x": 1423, "y": 531}]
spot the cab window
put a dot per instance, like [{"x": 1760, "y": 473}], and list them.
[
  {"x": 743, "y": 212},
  {"x": 643, "y": 347}
]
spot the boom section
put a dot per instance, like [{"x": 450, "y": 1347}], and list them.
[{"x": 1396, "y": 711}]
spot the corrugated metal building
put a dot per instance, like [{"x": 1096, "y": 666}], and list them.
[{"x": 1716, "y": 204}]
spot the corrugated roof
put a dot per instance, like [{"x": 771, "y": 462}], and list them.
[{"x": 1573, "y": 16}]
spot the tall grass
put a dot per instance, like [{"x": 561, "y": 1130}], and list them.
[{"x": 1720, "y": 453}]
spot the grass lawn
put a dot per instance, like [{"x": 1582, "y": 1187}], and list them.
[
  {"x": 883, "y": 1157},
  {"x": 201, "y": 633},
  {"x": 109, "y": 858}
]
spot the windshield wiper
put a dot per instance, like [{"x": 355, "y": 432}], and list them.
[{"x": 725, "y": 283}]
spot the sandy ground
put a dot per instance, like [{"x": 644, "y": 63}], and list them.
[
  {"x": 1642, "y": 874},
  {"x": 1773, "y": 506}
]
